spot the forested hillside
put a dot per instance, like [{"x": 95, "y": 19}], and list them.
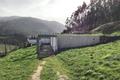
[
  {"x": 108, "y": 28},
  {"x": 88, "y": 17}
]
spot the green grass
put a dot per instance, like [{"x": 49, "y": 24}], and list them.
[
  {"x": 116, "y": 33},
  {"x": 49, "y": 72},
  {"x": 9, "y": 47},
  {"x": 4, "y": 37},
  {"x": 101, "y": 62},
  {"x": 51, "y": 68},
  {"x": 108, "y": 28},
  {"x": 2, "y": 47},
  {"x": 18, "y": 65}
]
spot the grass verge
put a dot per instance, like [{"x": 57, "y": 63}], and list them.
[
  {"x": 101, "y": 62},
  {"x": 18, "y": 65}
]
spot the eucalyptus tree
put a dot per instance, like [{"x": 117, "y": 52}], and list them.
[{"x": 98, "y": 12}]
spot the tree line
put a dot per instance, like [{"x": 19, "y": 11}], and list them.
[{"x": 88, "y": 17}]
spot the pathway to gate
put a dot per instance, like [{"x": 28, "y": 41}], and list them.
[
  {"x": 37, "y": 73},
  {"x": 62, "y": 77}
]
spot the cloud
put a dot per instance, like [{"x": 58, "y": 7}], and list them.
[
  {"x": 56, "y": 10},
  {"x": 17, "y": 4},
  {"x": 4, "y": 12},
  {"x": 13, "y": 3}
]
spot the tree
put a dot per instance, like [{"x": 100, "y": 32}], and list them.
[{"x": 98, "y": 12}]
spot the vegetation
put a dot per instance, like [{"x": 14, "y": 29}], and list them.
[
  {"x": 49, "y": 72},
  {"x": 88, "y": 17},
  {"x": 18, "y": 65},
  {"x": 12, "y": 42},
  {"x": 52, "y": 68},
  {"x": 25, "y": 26},
  {"x": 9, "y": 47},
  {"x": 100, "y": 62},
  {"x": 109, "y": 28},
  {"x": 116, "y": 33}
]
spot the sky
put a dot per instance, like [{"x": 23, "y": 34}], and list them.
[{"x": 52, "y": 10}]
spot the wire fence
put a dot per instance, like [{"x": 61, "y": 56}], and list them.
[{"x": 9, "y": 44}]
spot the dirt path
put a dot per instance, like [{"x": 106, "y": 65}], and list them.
[
  {"x": 37, "y": 73},
  {"x": 62, "y": 77}
]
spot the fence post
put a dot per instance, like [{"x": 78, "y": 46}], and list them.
[
  {"x": 38, "y": 47},
  {"x": 5, "y": 47}
]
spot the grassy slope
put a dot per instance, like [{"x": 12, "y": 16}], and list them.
[
  {"x": 18, "y": 65},
  {"x": 100, "y": 62},
  {"x": 9, "y": 47},
  {"x": 49, "y": 72},
  {"x": 51, "y": 68},
  {"x": 109, "y": 28}
]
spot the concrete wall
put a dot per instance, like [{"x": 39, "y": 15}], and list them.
[
  {"x": 73, "y": 41},
  {"x": 54, "y": 43},
  {"x": 32, "y": 41},
  {"x": 67, "y": 41}
]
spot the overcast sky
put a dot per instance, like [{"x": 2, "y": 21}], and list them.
[{"x": 53, "y": 10}]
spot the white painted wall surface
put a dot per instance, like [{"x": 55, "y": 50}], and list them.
[
  {"x": 54, "y": 43},
  {"x": 45, "y": 40},
  {"x": 32, "y": 41},
  {"x": 73, "y": 41}
]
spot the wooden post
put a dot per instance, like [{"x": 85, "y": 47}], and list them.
[
  {"x": 5, "y": 47},
  {"x": 38, "y": 47}
]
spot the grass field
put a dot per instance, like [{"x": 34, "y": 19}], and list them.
[
  {"x": 9, "y": 47},
  {"x": 100, "y": 62},
  {"x": 18, "y": 65}
]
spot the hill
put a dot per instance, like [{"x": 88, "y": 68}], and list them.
[
  {"x": 109, "y": 28},
  {"x": 18, "y": 65},
  {"x": 96, "y": 13},
  {"x": 28, "y": 26},
  {"x": 99, "y": 62},
  {"x": 2, "y": 19}
]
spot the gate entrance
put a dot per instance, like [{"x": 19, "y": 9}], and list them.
[{"x": 46, "y": 45}]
